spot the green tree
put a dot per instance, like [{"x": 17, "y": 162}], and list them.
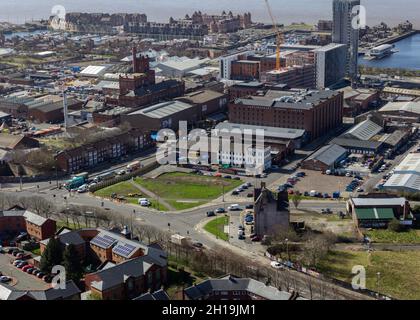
[
  {"x": 396, "y": 226},
  {"x": 52, "y": 255},
  {"x": 72, "y": 264}
]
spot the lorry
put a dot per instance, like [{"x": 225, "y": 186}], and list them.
[
  {"x": 74, "y": 183},
  {"x": 104, "y": 177},
  {"x": 180, "y": 240},
  {"x": 85, "y": 175},
  {"x": 133, "y": 166}
]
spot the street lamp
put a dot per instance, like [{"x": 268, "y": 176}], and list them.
[
  {"x": 378, "y": 278},
  {"x": 287, "y": 248}
]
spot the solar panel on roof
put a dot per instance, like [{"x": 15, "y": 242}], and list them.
[
  {"x": 124, "y": 249},
  {"x": 103, "y": 241}
]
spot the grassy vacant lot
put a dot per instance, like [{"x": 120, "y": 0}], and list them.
[
  {"x": 124, "y": 189},
  {"x": 388, "y": 236},
  {"x": 216, "y": 227},
  {"x": 183, "y": 190},
  {"x": 399, "y": 271}
]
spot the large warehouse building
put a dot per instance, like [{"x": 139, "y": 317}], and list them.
[
  {"x": 406, "y": 175},
  {"x": 316, "y": 112}
]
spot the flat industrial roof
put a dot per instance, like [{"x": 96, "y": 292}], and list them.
[
  {"x": 372, "y": 202},
  {"x": 271, "y": 132},
  {"x": 164, "y": 109},
  {"x": 413, "y": 107}
]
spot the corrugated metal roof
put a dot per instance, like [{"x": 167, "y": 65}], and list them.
[
  {"x": 364, "y": 130},
  {"x": 374, "y": 213},
  {"x": 328, "y": 154},
  {"x": 164, "y": 109},
  {"x": 413, "y": 107}
]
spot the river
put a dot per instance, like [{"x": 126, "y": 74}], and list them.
[{"x": 407, "y": 57}]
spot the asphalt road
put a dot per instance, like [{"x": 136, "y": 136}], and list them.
[{"x": 185, "y": 223}]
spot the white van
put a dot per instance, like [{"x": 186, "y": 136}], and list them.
[
  {"x": 234, "y": 207},
  {"x": 82, "y": 189},
  {"x": 313, "y": 193},
  {"x": 144, "y": 202}
]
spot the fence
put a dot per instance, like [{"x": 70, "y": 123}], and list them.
[
  {"x": 125, "y": 177},
  {"x": 334, "y": 281}
]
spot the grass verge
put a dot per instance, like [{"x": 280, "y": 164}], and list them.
[{"x": 216, "y": 227}]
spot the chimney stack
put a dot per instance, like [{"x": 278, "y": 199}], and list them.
[{"x": 135, "y": 60}]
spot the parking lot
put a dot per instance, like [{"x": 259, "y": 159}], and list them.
[
  {"x": 246, "y": 244},
  {"x": 21, "y": 280},
  {"x": 315, "y": 180}
]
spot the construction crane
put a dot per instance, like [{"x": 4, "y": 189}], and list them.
[{"x": 279, "y": 35}]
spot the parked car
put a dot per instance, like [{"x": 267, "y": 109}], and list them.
[
  {"x": 144, "y": 202},
  {"x": 249, "y": 206},
  {"x": 48, "y": 278},
  {"x": 121, "y": 172},
  {"x": 29, "y": 270},
  {"x": 211, "y": 214},
  {"x": 250, "y": 195},
  {"x": 5, "y": 279},
  {"x": 241, "y": 237},
  {"x": 198, "y": 245},
  {"x": 276, "y": 265},
  {"x": 227, "y": 177},
  {"x": 16, "y": 252},
  {"x": 22, "y": 265},
  {"x": 234, "y": 207},
  {"x": 10, "y": 250},
  {"x": 28, "y": 266},
  {"x": 40, "y": 275},
  {"x": 235, "y": 193},
  {"x": 84, "y": 188},
  {"x": 34, "y": 271}
]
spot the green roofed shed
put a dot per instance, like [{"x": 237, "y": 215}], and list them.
[{"x": 374, "y": 213}]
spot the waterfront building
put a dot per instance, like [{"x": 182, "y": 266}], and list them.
[
  {"x": 330, "y": 64},
  {"x": 344, "y": 33}
]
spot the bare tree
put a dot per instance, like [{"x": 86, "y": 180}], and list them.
[{"x": 296, "y": 199}]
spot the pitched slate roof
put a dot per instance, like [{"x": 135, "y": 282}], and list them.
[
  {"x": 117, "y": 274},
  {"x": 9, "y": 293},
  {"x": 230, "y": 283},
  {"x": 157, "y": 295}
]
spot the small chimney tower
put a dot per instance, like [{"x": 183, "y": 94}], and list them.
[{"x": 135, "y": 60}]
